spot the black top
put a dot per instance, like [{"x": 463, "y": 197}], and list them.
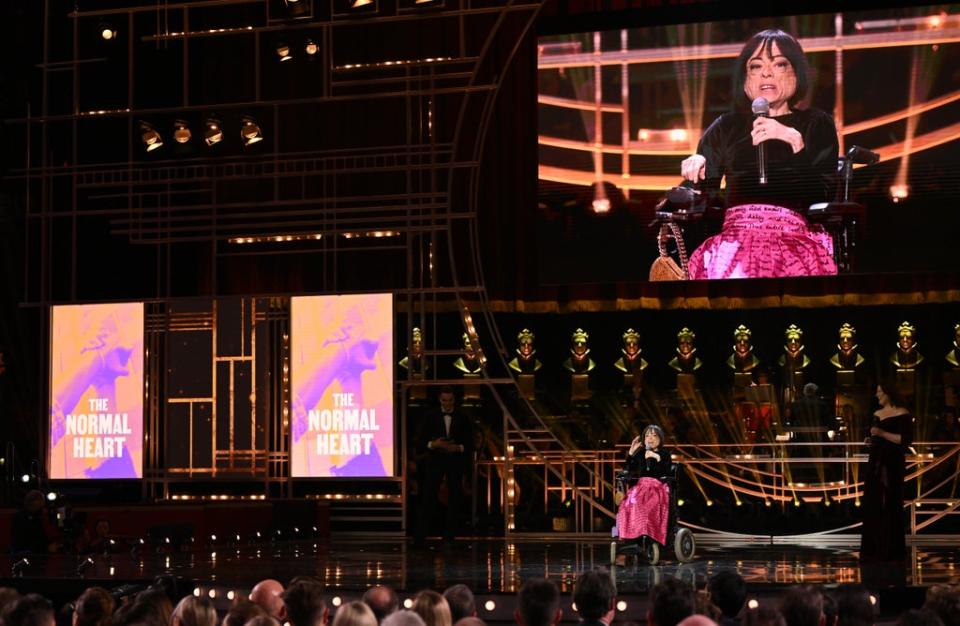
[
  {"x": 639, "y": 466},
  {"x": 794, "y": 181}
]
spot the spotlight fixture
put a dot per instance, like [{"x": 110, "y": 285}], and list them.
[
  {"x": 151, "y": 138},
  {"x": 356, "y": 4},
  {"x": 213, "y": 132},
  {"x": 108, "y": 32},
  {"x": 298, "y": 8},
  {"x": 311, "y": 48},
  {"x": 181, "y": 132},
  {"x": 250, "y": 131},
  {"x": 52, "y": 496},
  {"x": 283, "y": 51}
]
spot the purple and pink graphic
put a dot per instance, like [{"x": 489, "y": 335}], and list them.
[
  {"x": 341, "y": 398},
  {"x": 96, "y": 391}
]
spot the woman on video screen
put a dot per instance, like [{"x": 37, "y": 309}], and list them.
[{"x": 765, "y": 233}]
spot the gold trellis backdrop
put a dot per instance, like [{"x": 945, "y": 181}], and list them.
[{"x": 216, "y": 375}]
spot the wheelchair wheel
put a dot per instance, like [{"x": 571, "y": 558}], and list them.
[
  {"x": 651, "y": 550},
  {"x": 685, "y": 545}
]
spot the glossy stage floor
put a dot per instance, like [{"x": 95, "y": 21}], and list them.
[{"x": 494, "y": 567}]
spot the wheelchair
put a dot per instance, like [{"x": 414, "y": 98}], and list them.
[{"x": 644, "y": 547}]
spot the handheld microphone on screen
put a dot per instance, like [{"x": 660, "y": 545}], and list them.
[{"x": 761, "y": 108}]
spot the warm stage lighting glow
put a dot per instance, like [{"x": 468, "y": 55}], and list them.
[
  {"x": 283, "y": 51},
  {"x": 107, "y": 32},
  {"x": 213, "y": 133},
  {"x": 151, "y": 138},
  {"x": 181, "y": 132},
  {"x": 678, "y": 135},
  {"x": 601, "y": 205},
  {"x": 899, "y": 192},
  {"x": 311, "y": 48},
  {"x": 356, "y": 4},
  {"x": 250, "y": 132}
]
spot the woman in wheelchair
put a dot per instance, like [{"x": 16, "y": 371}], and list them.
[{"x": 646, "y": 506}]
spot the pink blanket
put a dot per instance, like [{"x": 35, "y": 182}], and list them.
[
  {"x": 644, "y": 511},
  {"x": 764, "y": 241}
]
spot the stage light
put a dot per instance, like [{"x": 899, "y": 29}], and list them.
[
  {"x": 213, "y": 132},
  {"x": 873, "y": 599},
  {"x": 311, "y": 48},
  {"x": 107, "y": 32},
  {"x": 752, "y": 603},
  {"x": 52, "y": 496},
  {"x": 25, "y": 478},
  {"x": 196, "y": 591},
  {"x": 643, "y": 134},
  {"x": 212, "y": 593},
  {"x": 408, "y": 603},
  {"x": 796, "y": 503},
  {"x": 831, "y": 435},
  {"x": 489, "y": 605},
  {"x": 283, "y": 51},
  {"x": 250, "y": 131},
  {"x": 601, "y": 205},
  {"x": 150, "y": 137},
  {"x": 231, "y": 594},
  {"x": 621, "y": 606},
  {"x": 899, "y": 192},
  {"x": 709, "y": 502},
  {"x": 680, "y": 502},
  {"x": 337, "y": 601},
  {"x": 678, "y": 135},
  {"x": 181, "y": 132},
  {"x": 356, "y": 4}
]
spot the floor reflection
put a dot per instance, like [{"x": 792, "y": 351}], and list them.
[{"x": 498, "y": 566}]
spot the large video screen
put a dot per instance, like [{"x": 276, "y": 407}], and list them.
[
  {"x": 771, "y": 147},
  {"x": 341, "y": 394},
  {"x": 96, "y": 391}
]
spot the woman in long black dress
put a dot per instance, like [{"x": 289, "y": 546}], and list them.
[{"x": 882, "y": 536}]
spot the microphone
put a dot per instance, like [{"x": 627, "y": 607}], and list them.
[
  {"x": 761, "y": 108},
  {"x": 648, "y": 461}
]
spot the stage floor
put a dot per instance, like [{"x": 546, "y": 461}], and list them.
[{"x": 498, "y": 566}]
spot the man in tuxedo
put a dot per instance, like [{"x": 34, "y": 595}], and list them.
[{"x": 446, "y": 449}]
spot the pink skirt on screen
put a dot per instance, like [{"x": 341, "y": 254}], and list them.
[
  {"x": 644, "y": 511},
  {"x": 764, "y": 241}
]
